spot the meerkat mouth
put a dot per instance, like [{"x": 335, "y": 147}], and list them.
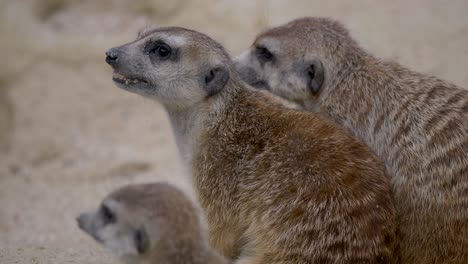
[{"x": 118, "y": 77}]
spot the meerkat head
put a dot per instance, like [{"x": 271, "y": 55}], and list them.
[
  {"x": 176, "y": 66},
  {"x": 144, "y": 222},
  {"x": 299, "y": 60}
]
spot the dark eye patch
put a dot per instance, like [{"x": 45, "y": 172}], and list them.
[
  {"x": 263, "y": 54},
  {"x": 158, "y": 49},
  {"x": 311, "y": 72},
  {"x": 107, "y": 215}
]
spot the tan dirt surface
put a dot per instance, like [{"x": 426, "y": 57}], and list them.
[{"x": 68, "y": 136}]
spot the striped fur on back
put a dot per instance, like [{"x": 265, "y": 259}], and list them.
[{"x": 417, "y": 124}]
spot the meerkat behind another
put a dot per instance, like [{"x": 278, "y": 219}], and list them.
[
  {"x": 417, "y": 124},
  {"x": 151, "y": 223},
  {"x": 278, "y": 186}
]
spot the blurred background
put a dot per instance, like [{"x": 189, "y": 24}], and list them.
[{"x": 68, "y": 136}]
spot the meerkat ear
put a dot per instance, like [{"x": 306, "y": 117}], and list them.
[
  {"x": 141, "y": 240},
  {"x": 315, "y": 75},
  {"x": 215, "y": 80}
]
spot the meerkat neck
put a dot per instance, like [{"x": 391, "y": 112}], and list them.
[{"x": 187, "y": 124}]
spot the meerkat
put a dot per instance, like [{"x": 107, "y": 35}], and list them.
[
  {"x": 151, "y": 223},
  {"x": 417, "y": 124},
  {"x": 277, "y": 185}
]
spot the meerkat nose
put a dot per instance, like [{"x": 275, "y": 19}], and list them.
[
  {"x": 112, "y": 56},
  {"x": 79, "y": 221}
]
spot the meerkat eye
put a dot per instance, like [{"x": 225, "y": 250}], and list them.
[
  {"x": 107, "y": 215},
  {"x": 312, "y": 72},
  {"x": 161, "y": 49},
  {"x": 263, "y": 53}
]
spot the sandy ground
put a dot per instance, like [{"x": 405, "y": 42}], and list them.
[{"x": 68, "y": 136}]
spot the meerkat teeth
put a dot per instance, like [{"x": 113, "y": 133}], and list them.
[
  {"x": 127, "y": 80},
  {"x": 119, "y": 76}
]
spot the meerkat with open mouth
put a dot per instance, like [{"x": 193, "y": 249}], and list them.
[{"x": 277, "y": 185}]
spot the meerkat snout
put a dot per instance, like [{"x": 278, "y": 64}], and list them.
[
  {"x": 81, "y": 221},
  {"x": 150, "y": 223},
  {"x": 110, "y": 226}
]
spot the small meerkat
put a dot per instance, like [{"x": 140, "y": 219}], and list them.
[
  {"x": 417, "y": 124},
  {"x": 278, "y": 186},
  {"x": 151, "y": 223}
]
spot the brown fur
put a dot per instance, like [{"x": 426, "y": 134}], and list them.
[
  {"x": 278, "y": 186},
  {"x": 417, "y": 124},
  {"x": 289, "y": 187}
]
